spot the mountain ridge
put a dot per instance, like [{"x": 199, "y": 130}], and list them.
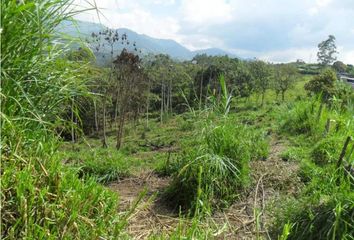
[{"x": 144, "y": 43}]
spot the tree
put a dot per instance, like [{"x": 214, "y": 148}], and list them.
[
  {"x": 261, "y": 74},
  {"x": 340, "y": 67},
  {"x": 323, "y": 84},
  {"x": 106, "y": 38},
  {"x": 327, "y": 51},
  {"x": 205, "y": 80},
  {"x": 131, "y": 82},
  {"x": 243, "y": 81},
  {"x": 285, "y": 76}
]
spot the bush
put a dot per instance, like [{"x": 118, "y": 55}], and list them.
[
  {"x": 324, "y": 211},
  {"x": 323, "y": 84},
  {"x": 327, "y": 150},
  {"x": 300, "y": 118},
  {"x": 212, "y": 173}
]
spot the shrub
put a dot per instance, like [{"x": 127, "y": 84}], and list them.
[
  {"x": 327, "y": 150},
  {"x": 302, "y": 117},
  {"x": 324, "y": 211},
  {"x": 323, "y": 84},
  {"x": 213, "y": 172}
]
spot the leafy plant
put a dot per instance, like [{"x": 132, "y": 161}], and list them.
[{"x": 327, "y": 150}]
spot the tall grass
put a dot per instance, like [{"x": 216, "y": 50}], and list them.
[
  {"x": 222, "y": 156},
  {"x": 40, "y": 198},
  {"x": 325, "y": 208}
]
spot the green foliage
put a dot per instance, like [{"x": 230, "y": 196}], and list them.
[
  {"x": 325, "y": 209},
  {"x": 323, "y": 84},
  {"x": 293, "y": 154},
  {"x": 40, "y": 198},
  {"x": 261, "y": 73},
  {"x": 223, "y": 105},
  {"x": 327, "y": 150},
  {"x": 195, "y": 228},
  {"x": 300, "y": 117},
  {"x": 327, "y": 51},
  {"x": 344, "y": 96},
  {"x": 285, "y": 77},
  {"x": 102, "y": 164},
  {"x": 339, "y": 66},
  {"x": 243, "y": 82},
  {"x": 223, "y": 154}
]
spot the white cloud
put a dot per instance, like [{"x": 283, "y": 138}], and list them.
[
  {"x": 347, "y": 57},
  {"x": 323, "y": 3},
  {"x": 320, "y": 4},
  {"x": 206, "y": 12},
  {"x": 290, "y": 55},
  {"x": 132, "y": 15},
  {"x": 269, "y": 29},
  {"x": 163, "y": 2}
]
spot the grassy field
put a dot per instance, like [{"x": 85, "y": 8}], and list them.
[
  {"x": 223, "y": 158},
  {"x": 269, "y": 195}
]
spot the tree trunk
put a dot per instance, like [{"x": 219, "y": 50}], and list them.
[
  {"x": 120, "y": 130},
  {"x": 170, "y": 96},
  {"x": 263, "y": 96},
  {"x": 147, "y": 106},
  {"x": 162, "y": 100},
  {"x": 201, "y": 91},
  {"x": 116, "y": 110},
  {"x": 167, "y": 98},
  {"x": 104, "y": 139},
  {"x": 72, "y": 122},
  {"x": 283, "y": 96},
  {"x": 96, "y": 120}
]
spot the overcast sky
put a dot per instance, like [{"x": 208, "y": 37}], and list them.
[{"x": 272, "y": 30}]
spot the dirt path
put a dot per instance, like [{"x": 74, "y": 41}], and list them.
[
  {"x": 151, "y": 217},
  {"x": 271, "y": 180}
]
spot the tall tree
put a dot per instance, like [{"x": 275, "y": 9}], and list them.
[
  {"x": 132, "y": 85},
  {"x": 261, "y": 74},
  {"x": 327, "y": 51},
  {"x": 285, "y": 76},
  {"x": 106, "y": 38}
]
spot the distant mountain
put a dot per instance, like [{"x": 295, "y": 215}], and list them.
[{"x": 145, "y": 44}]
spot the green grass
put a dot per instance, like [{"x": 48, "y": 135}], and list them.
[
  {"x": 324, "y": 210},
  {"x": 220, "y": 160},
  {"x": 41, "y": 198},
  {"x": 53, "y": 190}
]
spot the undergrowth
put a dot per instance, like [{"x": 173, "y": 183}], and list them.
[
  {"x": 222, "y": 156},
  {"x": 41, "y": 198},
  {"x": 325, "y": 208}
]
